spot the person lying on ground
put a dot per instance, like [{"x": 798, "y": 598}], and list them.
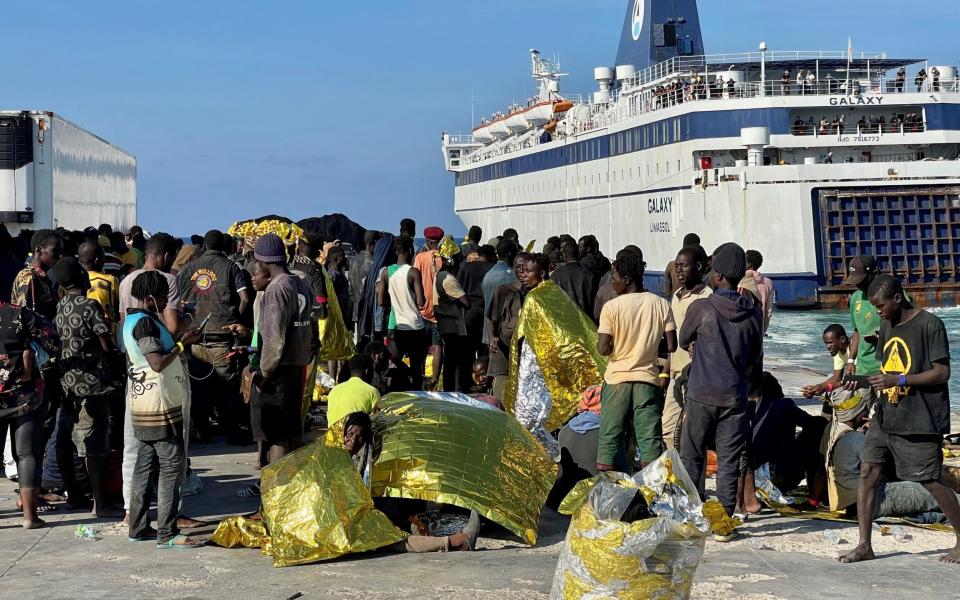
[{"x": 358, "y": 442}]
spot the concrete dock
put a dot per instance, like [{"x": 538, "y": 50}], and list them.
[{"x": 774, "y": 558}]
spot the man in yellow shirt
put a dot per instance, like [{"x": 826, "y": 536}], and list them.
[
  {"x": 632, "y": 325},
  {"x": 354, "y": 395},
  {"x": 104, "y": 288}
]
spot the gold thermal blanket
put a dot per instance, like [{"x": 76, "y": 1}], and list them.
[
  {"x": 461, "y": 452},
  {"x": 316, "y": 507},
  {"x": 336, "y": 342},
  {"x": 655, "y": 557},
  {"x": 564, "y": 341}
]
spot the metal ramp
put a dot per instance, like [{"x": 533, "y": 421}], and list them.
[{"x": 913, "y": 232}]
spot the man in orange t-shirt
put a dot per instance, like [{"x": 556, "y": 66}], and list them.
[{"x": 428, "y": 263}]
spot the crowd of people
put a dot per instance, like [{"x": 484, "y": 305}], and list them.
[
  {"x": 122, "y": 344},
  {"x": 910, "y": 122}
]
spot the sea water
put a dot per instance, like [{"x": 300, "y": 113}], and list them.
[{"x": 795, "y": 338}]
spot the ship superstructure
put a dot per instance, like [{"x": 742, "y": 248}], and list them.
[{"x": 809, "y": 157}]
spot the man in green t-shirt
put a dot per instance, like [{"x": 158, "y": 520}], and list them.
[{"x": 862, "y": 359}]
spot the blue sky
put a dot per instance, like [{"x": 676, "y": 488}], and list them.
[{"x": 304, "y": 108}]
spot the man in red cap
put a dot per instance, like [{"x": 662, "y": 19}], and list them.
[{"x": 428, "y": 263}]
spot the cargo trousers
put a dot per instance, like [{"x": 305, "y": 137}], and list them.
[{"x": 622, "y": 404}]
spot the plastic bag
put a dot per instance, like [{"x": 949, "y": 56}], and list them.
[{"x": 651, "y": 558}]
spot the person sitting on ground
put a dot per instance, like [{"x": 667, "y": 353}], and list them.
[
  {"x": 906, "y": 499},
  {"x": 482, "y": 388},
  {"x": 354, "y": 395},
  {"x": 838, "y": 345},
  {"x": 358, "y": 442},
  {"x": 482, "y": 382},
  {"x": 913, "y": 413},
  {"x": 389, "y": 375},
  {"x": 775, "y": 440}
]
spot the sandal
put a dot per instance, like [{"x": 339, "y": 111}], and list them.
[
  {"x": 250, "y": 492},
  {"x": 42, "y": 505},
  {"x": 179, "y": 542}
]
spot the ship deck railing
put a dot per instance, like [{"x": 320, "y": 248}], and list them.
[
  {"x": 700, "y": 63},
  {"x": 619, "y": 109}
]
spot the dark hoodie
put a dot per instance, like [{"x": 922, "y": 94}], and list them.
[{"x": 726, "y": 330}]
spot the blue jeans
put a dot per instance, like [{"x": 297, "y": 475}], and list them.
[{"x": 164, "y": 459}]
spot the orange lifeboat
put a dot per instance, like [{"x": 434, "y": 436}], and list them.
[
  {"x": 562, "y": 106},
  {"x": 550, "y": 127}
]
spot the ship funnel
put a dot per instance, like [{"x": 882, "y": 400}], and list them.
[{"x": 658, "y": 30}]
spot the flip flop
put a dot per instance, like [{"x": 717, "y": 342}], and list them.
[{"x": 172, "y": 543}]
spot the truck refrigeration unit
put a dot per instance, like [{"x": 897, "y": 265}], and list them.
[{"x": 54, "y": 173}]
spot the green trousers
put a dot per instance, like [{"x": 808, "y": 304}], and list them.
[{"x": 621, "y": 402}]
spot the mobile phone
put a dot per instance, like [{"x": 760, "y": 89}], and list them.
[{"x": 862, "y": 381}]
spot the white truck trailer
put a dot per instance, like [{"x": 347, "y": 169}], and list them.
[{"x": 54, "y": 173}]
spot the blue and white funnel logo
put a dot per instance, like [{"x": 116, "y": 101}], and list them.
[{"x": 637, "y": 19}]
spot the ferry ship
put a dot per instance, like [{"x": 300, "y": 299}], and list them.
[{"x": 811, "y": 158}]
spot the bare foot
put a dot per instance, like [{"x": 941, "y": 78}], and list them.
[
  {"x": 859, "y": 554},
  {"x": 37, "y": 524},
  {"x": 752, "y": 507},
  {"x": 953, "y": 556}
]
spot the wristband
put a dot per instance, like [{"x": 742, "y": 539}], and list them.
[
  {"x": 321, "y": 299},
  {"x": 851, "y": 361},
  {"x": 902, "y": 381},
  {"x": 181, "y": 347},
  {"x": 664, "y": 376},
  {"x": 829, "y": 388}
]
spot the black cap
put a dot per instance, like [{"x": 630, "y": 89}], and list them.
[{"x": 859, "y": 269}]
